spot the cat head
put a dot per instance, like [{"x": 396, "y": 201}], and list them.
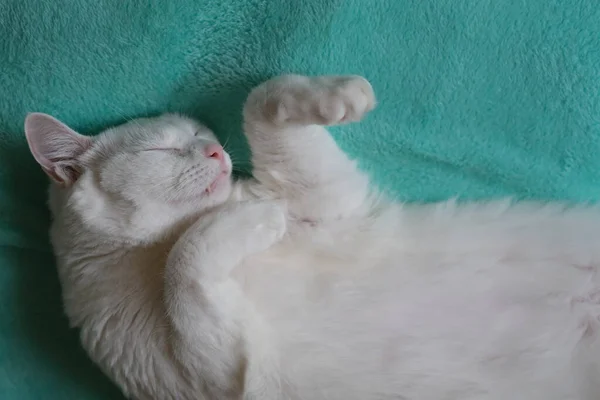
[{"x": 136, "y": 180}]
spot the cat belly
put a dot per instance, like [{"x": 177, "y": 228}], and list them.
[{"x": 427, "y": 327}]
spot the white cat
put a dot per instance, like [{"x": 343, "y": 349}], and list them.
[{"x": 303, "y": 283}]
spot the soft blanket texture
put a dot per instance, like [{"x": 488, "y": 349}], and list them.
[{"x": 478, "y": 99}]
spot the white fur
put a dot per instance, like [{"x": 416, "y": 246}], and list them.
[{"x": 301, "y": 283}]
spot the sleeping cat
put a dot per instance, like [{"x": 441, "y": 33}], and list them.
[{"x": 303, "y": 282}]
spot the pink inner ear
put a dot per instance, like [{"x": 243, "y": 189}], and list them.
[{"x": 55, "y": 146}]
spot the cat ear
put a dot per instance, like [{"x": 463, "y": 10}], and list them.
[{"x": 56, "y": 147}]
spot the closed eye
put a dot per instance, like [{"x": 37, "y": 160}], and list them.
[
  {"x": 164, "y": 149},
  {"x": 200, "y": 134}
]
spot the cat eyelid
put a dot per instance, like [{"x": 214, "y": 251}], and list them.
[{"x": 163, "y": 149}]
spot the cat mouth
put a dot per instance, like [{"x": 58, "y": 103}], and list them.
[{"x": 223, "y": 175}]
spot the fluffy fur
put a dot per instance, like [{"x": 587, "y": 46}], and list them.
[{"x": 302, "y": 283}]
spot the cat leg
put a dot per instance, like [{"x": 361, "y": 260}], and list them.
[
  {"x": 294, "y": 156},
  {"x": 215, "y": 336}
]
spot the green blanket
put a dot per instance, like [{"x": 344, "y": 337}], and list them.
[{"x": 478, "y": 99}]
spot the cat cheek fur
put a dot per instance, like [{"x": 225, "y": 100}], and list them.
[{"x": 304, "y": 283}]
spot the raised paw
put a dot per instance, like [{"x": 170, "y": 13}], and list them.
[{"x": 325, "y": 100}]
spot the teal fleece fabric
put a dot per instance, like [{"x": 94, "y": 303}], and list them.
[{"x": 478, "y": 99}]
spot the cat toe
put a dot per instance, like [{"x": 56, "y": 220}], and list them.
[{"x": 349, "y": 100}]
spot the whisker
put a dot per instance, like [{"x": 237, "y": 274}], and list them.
[
  {"x": 234, "y": 158},
  {"x": 232, "y": 151},
  {"x": 227, "y": 141},
  {"x": 122, "y": 115},
  {"x": 238, "y": 156}
]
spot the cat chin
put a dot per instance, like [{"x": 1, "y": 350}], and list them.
[
  {"x": 223, "y": 179},
  {"x": 216, "y": 192}
]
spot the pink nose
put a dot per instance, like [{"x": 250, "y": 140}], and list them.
[{"x": 214, "y": 151}]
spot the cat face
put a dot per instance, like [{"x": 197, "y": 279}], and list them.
[
  {"x": 169, "y": 159},
  {"x": 152, "y": 170}
]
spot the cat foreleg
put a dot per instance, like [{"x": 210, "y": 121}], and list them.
[
  {"x": 206, "y": 308},
  {"x": 293, "y": 154}
]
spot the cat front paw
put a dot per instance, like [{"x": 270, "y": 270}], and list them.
[
  {"x": 344, "y": 99},
  {"x": 263, "y": 224},
  {"x": 324, "y": 100}
]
